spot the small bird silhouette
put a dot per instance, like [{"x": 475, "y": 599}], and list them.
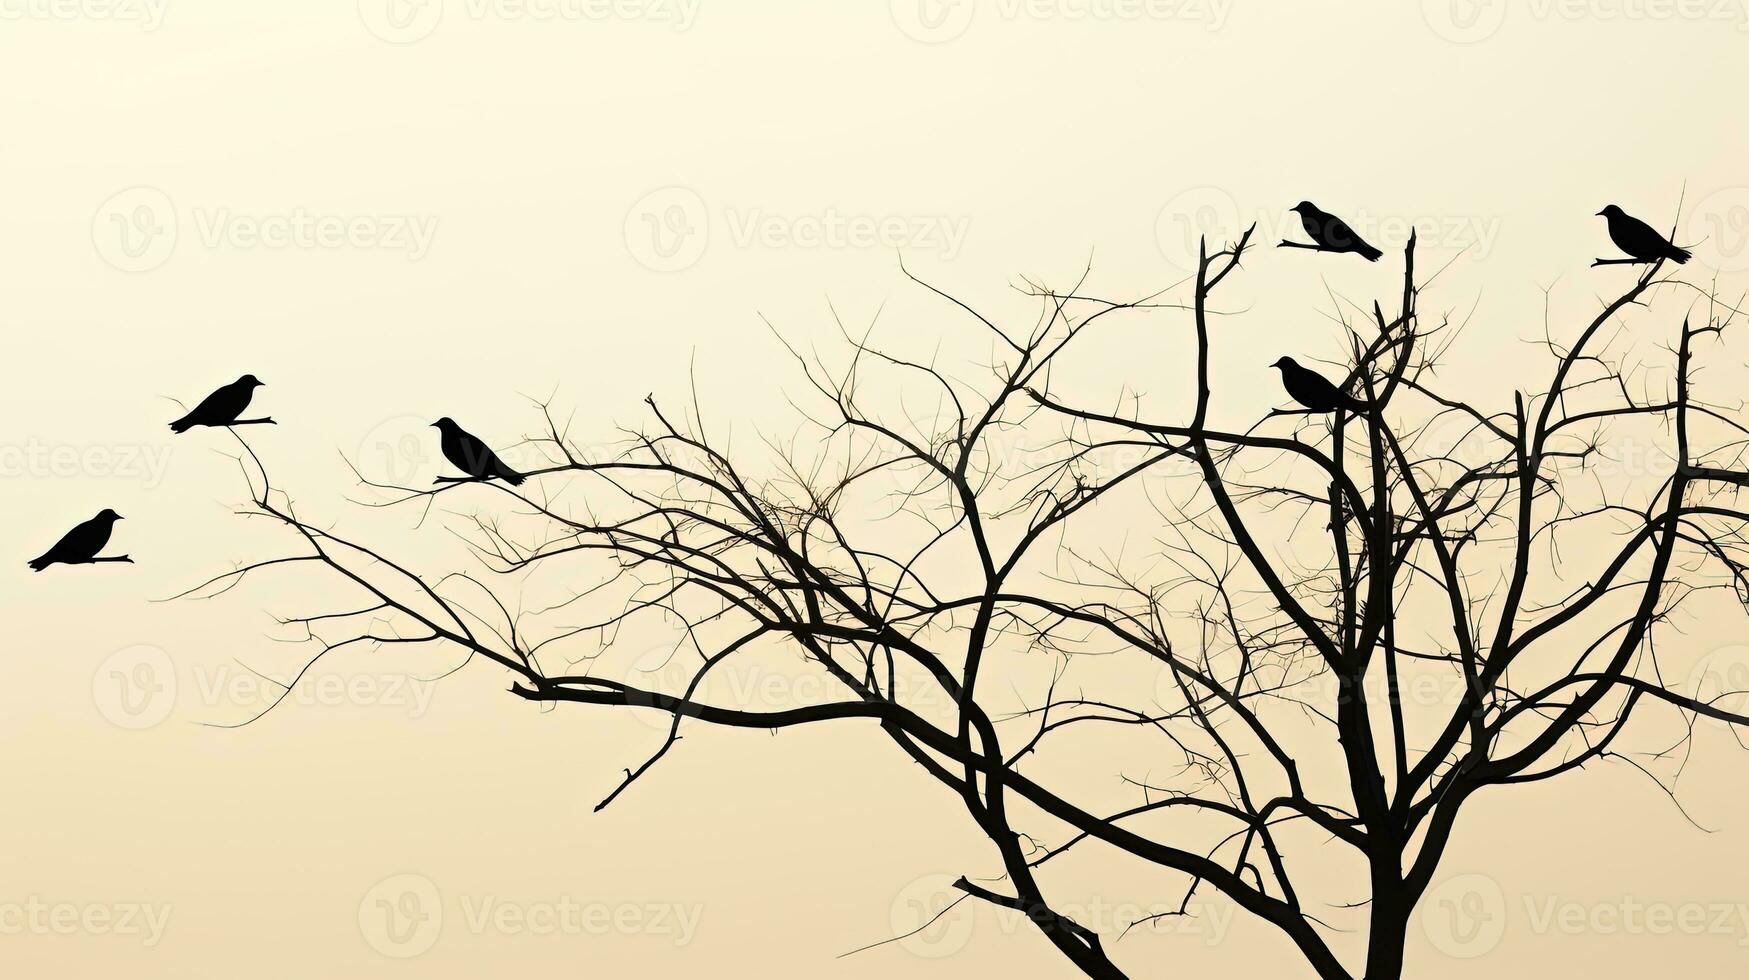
[
  {"x": 1314, "y": 391},
  {"x": 1639, "y": 239},
  {"x": 472, "y": 456},
  {"x": 81, "y": 545},
  {"x": 222, "y": 407},
  {"x": 1332, "y": 234}
]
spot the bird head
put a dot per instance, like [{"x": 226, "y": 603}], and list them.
[
  {"x": 445, "y": 424},
  {"x": 108, "y": 514},
  {"x": 249, "y": 380},
  {"x": 1285, "y": 362},
  {"x": 1609, "y": 212},
  {"x": 1305, "y": 206}
]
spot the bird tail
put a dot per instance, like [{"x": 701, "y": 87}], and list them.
[
  {"x": 510, "y": 476},
  {"x": 1356, "y": 406},
  {"x": 181, "y": 425},
  {"x": 1368, "y": 253},
  {"x": 38, "y": 564},
  {"x": 1679, "y": 254}
]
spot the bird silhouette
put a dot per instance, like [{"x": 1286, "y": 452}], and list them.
[
  {"x": 81, "y": 545},
  {"x": 222, "y": 407},
  {"x": 472, "y": 456},
  {"x": 1639, "y": 239},
  {"x": 1332, "y": 234},
  {"x": 1314, "y": 391}
]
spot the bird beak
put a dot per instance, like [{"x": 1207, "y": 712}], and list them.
[{"x": 1600, "y": 214}]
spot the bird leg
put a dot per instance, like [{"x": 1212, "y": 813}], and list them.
[{"x": 266, "y": 421}]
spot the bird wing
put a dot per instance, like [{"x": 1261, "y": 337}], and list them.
[
  {"x": 223, "y": 405},
  {"x": 81, "y": 543},
  {"x": 1340, "y": 235},
  {"x": 1319, "y": 391},
  {"x": 477, "y": 457},
  {"x": 1636, "y": 237}
]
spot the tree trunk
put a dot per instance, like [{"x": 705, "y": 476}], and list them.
[{"x": 1388, "y": 930}]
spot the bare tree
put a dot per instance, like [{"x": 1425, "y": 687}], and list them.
[{"x": 1244, "y": 605}]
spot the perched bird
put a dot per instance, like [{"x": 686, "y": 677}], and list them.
[
  {"x": 472, "y": 456},
  {"x": 1332, "y": 234},
  {"x": 1639, "y": 239},
  {"x": 222, "y": 407},
  {"x": 1314, "y": 391},
  {"x": 81, "y": 545}
]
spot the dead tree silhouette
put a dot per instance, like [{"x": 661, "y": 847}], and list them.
[{"x": 1300, "y": 575}]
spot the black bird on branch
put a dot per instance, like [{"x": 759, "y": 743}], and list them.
[
  {"x": 81, "y": 545},
  {"x": 1639, "y": 240},
  {"x": 1314, "y": 391},
  {"x": 223, "y": 407},
  {"x": 1330, "y": 234},
  {"x": 472, "y": 456}
]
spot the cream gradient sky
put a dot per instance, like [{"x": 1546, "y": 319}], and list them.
[{"x": 394, "y": 210}]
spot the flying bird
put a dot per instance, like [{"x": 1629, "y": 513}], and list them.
[
  {"x": 1639, "y": 239},
  {"x": 223, "y": 407},
  {"x": 81, "y": 545},
  {"x": 1314, "y": 391},
  {"x": 1332, "y": 234},
  {"x": 472, "y": 456}
]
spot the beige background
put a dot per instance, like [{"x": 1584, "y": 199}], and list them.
[{"x": 591, "y": 178}]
